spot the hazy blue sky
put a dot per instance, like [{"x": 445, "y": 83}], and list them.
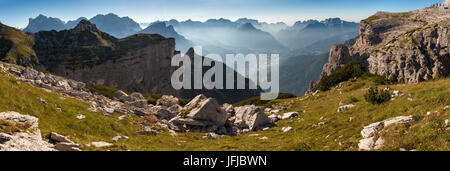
[{"x": 16, "y": 12}]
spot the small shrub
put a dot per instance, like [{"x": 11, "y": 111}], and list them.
[
  {"x": 152, "y": 98},
  {"x": 183, "y": 102},
  {"x": 103, "y": 90},
  {"x": 351, "y": 100},
  {"x": 375, "y": 96},
  {"x": 393, "y": 79},
  {"x": 151, "y": 119}
]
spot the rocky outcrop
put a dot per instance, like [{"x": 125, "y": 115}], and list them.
[
  {"x": 167, "y": 101},
  {"x": 204, "y": 115},
  {"x": 370, "y": 133},
  {"x": 63, "y": 143},
  {"x": 345, "y": 107},
  {"x": 414, "y": 46},
  {"x": 75, "y": 89},
  {"x": 251, "y": 117},
  {"x": 24, "y": 135}
]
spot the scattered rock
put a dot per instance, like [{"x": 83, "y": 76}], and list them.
[
  {"x": 42, "y": 101},
  {"x": 121, "y": 117},
  {"x": 118, "y": 137},
  {"x": 59, "y": 138},
  {"x": 80, "y": 117},
  {"x": 251, "y": 117},
  {"x": 289, "y": 115},
  {"x": 286, "y": 129},
  {"x": 64, "y": 146},
  {"x": 346, "y": 107},
  {"x": 396, "y": 93},
  {"x": 100, "y": 144},
  {"x": 62, "y": 143},
  {"x": 322, "y": 123},
  {"x": 274, "y": 118},
  {"x": 264, "y": 138},
  {"x": 147, "y": 131},
  {"x": 167, "y": 101},
  {"x": 371, "y": 141},
  {"x": 214, "y": 136}
]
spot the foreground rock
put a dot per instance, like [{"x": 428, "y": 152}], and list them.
[
  {"x": 204, "y": 115},
  {"x": 167, "y": 101},
  {"x": 251, "y": 117},
  {"x": 62, "y": 143},
  {"x": 200, "y": 115},
  {"x": 28, "y": 139},
  {"x": 370, "y": 133}
]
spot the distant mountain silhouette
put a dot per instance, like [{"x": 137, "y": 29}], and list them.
[
  {"x": 44, "y": 23},
  {"x": 272, "y": 28},
  {"x": 71, "y": 24},
  {"x": 168, "y": 31},
  {"x": 112, "y": 24},
  {"x": 223, "y": 36},
  {"x": 116, "y": 26},
  {"x": 306, "y": 33}
]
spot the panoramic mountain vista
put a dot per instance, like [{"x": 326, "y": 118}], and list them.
[
  {"x": 161, "y": 82},
  {"x": 141, "y": 62}
]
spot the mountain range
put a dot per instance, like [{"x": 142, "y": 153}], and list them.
[
  {"x": 304, "y": 43},
  {"x": 112, "y": 24},
  {"x": 138, "y": 63}
]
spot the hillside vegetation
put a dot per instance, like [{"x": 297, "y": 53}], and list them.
[
  {"x": 338, "y": 131},
  {"x": 16, "y": 46}
]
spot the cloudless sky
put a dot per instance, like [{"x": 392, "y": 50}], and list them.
[{"x": 16, "y": 12}]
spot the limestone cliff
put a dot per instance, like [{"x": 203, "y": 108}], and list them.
[{"x": 414, "y": 46}]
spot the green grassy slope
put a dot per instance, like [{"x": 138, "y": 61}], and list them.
[
  {"x": 338, "y": 134},
  {"x": 16, "y": 46}
]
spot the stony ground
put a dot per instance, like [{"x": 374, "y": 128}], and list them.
[{"x": 318, "y": 126}]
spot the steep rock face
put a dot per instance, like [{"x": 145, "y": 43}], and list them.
[
  {"x": 138, "y": 63},
  {"x": 414, "y": 46}
]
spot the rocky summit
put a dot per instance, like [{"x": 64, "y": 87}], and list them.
[{"x": 412, "y": 46}]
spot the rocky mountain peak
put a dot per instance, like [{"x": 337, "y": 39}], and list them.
[
  {"x": 413, "y": 46},
  {"x": 247, "y": 27},
  {"x": 85, "y": 25}
]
